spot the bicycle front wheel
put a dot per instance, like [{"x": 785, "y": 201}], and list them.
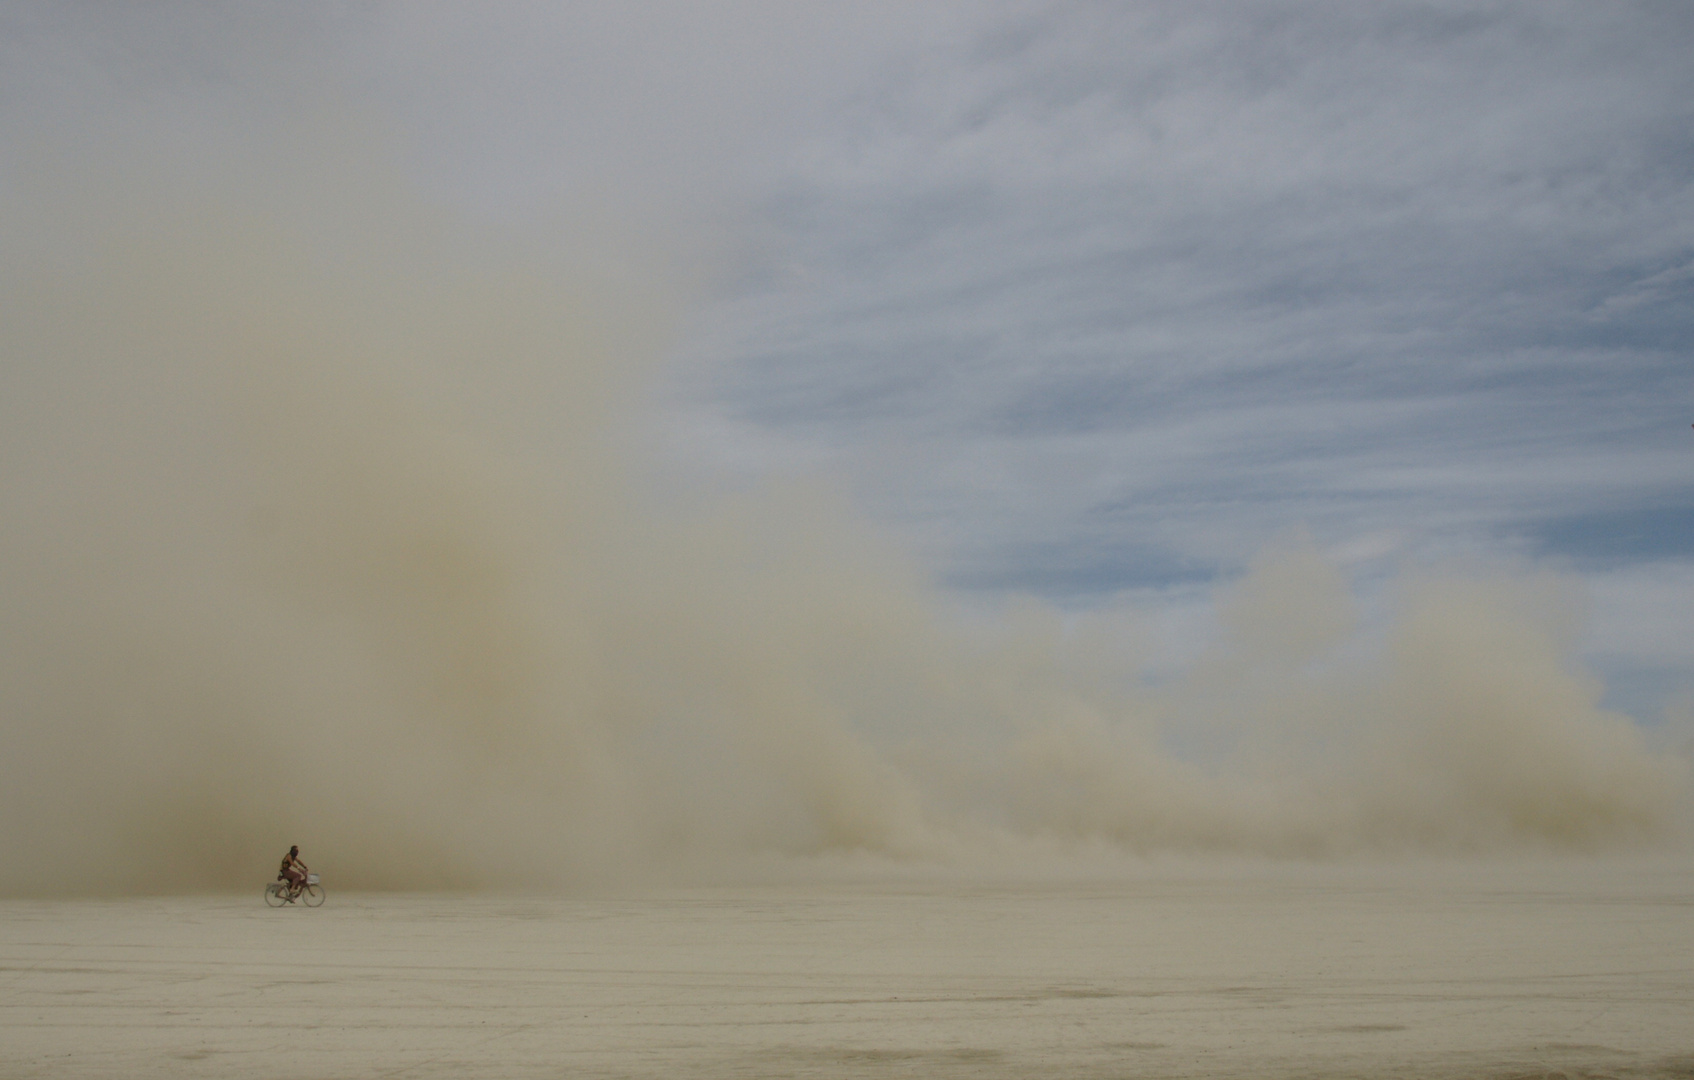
[
  {"x": 313, "y": 895},
  {"x": 273, "y": 895}
]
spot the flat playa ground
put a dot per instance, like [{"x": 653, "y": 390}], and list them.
[{"x": 1585, "y": 968}]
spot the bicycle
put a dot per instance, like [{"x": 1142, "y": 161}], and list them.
[{"x": 278, "y": 893}]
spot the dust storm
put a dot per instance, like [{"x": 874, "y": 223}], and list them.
[{"x": 350, "y": 541}]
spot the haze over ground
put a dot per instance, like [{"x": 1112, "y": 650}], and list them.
[{"x": 529, "y": 448}]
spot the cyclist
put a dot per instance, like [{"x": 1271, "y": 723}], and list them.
[{"x": 293, "y": 871}]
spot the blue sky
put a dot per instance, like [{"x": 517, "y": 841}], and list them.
[
  {"x": 1100, "y": 299},
  {"x": 1089, "y": 301}
]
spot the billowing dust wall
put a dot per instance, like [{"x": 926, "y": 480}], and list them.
[{"x": 346, "y": 539}]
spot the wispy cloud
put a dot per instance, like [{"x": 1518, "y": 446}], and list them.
[{"x": 1412, "y": 264}]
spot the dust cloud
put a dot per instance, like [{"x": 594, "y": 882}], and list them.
[
  {"x": 342, "y": 539},
  {"x": 273, "y": 574}
]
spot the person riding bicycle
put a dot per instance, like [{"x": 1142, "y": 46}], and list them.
[{"x": 293, "y": 871}]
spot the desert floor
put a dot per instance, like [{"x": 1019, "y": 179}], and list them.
[{"x": 1582, "y": 968}]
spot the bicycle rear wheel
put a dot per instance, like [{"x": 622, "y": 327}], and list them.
[
  {"x": 313, "y": 895},
  {"x": 273, "y": 895}
]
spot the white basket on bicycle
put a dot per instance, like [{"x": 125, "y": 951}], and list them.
[{"x": 311, "y": 879}]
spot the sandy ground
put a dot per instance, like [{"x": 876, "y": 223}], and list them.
[{"x": 1410, "y": 971}]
